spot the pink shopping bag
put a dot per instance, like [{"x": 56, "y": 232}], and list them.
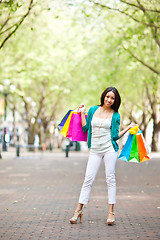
[{"x": 75, "y": 132}]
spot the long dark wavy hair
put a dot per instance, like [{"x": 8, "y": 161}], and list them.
[{"x": 117, "y": 101}]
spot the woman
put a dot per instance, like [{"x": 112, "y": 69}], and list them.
[{"x": 102, "y": 125}]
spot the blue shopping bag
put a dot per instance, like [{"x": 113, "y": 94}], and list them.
[{"x": 125, "y": 153}]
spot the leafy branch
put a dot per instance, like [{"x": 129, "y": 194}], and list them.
[
  {"x": 141, "y": 61},
  {"x": 14, "y": 26},
  {"x": 140, "y": 7},
  {"x": 125, "y": 13}
]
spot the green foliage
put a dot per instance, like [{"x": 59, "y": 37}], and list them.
[
  {"x": 67, "y": 52},
  {"x": 12, "y": 15}
]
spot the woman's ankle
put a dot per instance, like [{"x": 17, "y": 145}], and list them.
[
  {"x": 79, "y": 207},
  {"x": 111, "y": 208}
]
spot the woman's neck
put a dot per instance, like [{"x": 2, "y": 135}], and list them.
[{"x": 106, "y": 109}]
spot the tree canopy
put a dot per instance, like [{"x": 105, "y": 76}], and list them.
[{"x": 60, "y": 54}]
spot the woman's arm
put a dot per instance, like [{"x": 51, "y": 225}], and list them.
[
  {"x": 82, "y": 110},
  {"x": 121, "y": 133},
  {"x": 83, "y": 119}
]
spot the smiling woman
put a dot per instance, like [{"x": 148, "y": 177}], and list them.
[
  {"x": 102, "y": 124},
  {"x": 111, "y": 97}
]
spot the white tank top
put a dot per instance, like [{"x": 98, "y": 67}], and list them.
[{"x": 101, "y": 135}]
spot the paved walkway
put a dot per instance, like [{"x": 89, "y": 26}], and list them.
[{"x": 38, "y": 195}]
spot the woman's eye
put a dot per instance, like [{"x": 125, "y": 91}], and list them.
[{"x": 110, "y": 97}]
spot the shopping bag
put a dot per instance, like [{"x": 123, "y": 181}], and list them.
[
  {"x": 71, "y": 127},
  {"x": 65, "y": 128},
  {"x": 134, "y": 156},
  {"x": 142, "y": 149},
  {"x": 135, "y": 149},
  {"x": 75, "y": 132},
  {"x": 69, "y": 134},
  {"x": 61, "y": 124},
  {"x": 125, "y": 153}
]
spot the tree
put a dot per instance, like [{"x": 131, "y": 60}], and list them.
[
  {"x": 140, "y": 38},
  {"x": 66, "y": 53},
  {"x": 46, "y": 72},
  {"x": 12, "y": 15}
]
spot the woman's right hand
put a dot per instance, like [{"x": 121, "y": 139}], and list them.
[{"x": 81, "y": 108}]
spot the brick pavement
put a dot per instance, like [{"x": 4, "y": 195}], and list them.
[{"x": 39, "y": 194}]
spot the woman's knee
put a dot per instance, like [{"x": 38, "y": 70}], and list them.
[
  {"x": 111, "y": 180},
  {"x": 88, "y": 181}
]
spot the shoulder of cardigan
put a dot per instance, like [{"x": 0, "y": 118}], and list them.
[
  {"x": 116, "y": 113},
  {"x": 93, "y": 109},
  {"x": 116, "y": 116}
]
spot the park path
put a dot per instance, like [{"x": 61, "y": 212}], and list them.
[{"x": 39, "y": 193}]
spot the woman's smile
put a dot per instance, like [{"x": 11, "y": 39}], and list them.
[{"x": 109, "y": 99}]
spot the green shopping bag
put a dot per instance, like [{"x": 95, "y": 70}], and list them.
[{"x": 134, "y": 155}]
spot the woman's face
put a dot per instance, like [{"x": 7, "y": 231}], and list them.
[{"x": 109, "y": 99}]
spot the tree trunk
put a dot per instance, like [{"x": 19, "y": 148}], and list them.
[
  {"x": 155, "y": 137},
  {"x": 144, "y": 132},
  {"x": 31, "y": 137},
  {"x": 40, "y": 138},
  {"x": 14, "y": 127}
]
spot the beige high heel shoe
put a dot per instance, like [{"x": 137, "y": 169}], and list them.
[
  {"x": 111, "y": 221},
  {"x": 73, "y": 220}
]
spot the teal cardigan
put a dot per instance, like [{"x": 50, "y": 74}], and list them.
[{"x": 114, "y": 127}]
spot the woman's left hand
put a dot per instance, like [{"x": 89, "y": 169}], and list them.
[
  {"x": 121, "y": 133},
  {"x": 132, "y": 125}
]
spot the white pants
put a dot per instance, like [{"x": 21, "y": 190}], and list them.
[{"x": 93, "y": 165}]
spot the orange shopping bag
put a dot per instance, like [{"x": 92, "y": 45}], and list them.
[{"x": 143, "y": 156}]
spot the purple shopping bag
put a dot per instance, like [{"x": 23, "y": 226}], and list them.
[
  {"x": 75, "y": 132},
  {"x": 64, "y": 119}
]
